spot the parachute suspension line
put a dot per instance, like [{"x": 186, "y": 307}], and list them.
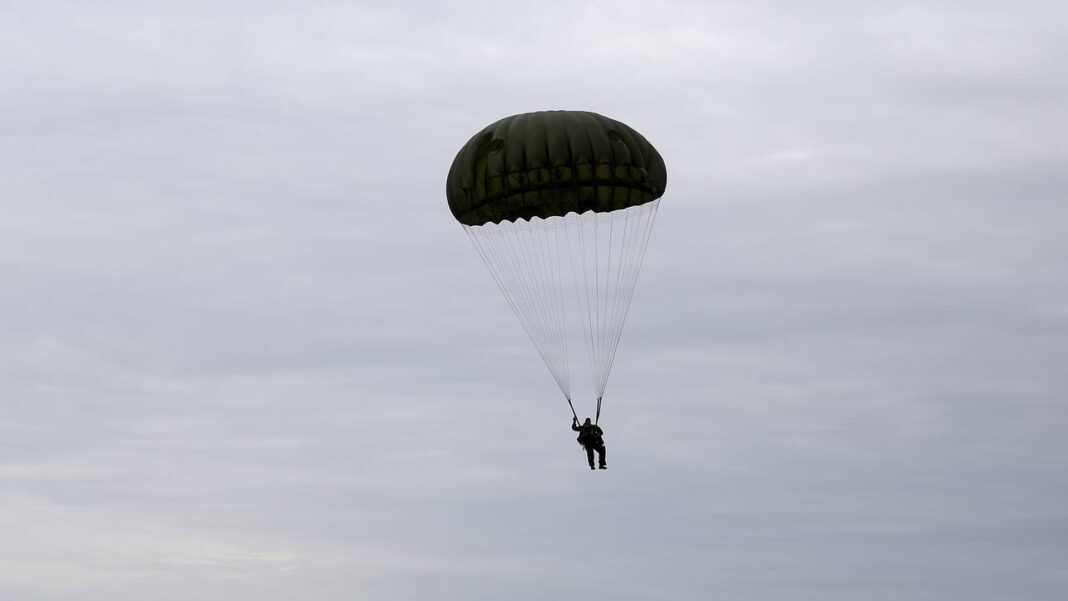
[
  {"x": 611, "y": 296},
  {"x": 529, "y": 266},
  {"x": 541, "y": 283},
  {"x": 601, "y": 295},
  {"x": 520, "y": 291},
  {"x": 501, "y": 259},
  {"x": 552, "y": 276},
  {"x": 583, "y": 258},
  {"x": 645, "y": 230},
  {"x": 527, "y": 263},
  {"x": 527, "y": 275},
  {"x": 604, "y": 268},
  {"x": 500, "y": 275},
  {"x": 558, "y": 283},
  {"x": 596, "y": 294},
  {"x": 520, "y": 265},
  {"x": 579, "y": 288},
  {"x": 609, "y": 325},
  {"x": 616, "y": 302},
  {"x": 597, "y": 416},
  {"x": 550, "y": 282},
  {"x": 624, "y": 263},
  {"x": 582, "y": 290}
]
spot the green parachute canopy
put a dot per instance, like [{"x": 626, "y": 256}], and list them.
[{"x": 552, "y": 163}]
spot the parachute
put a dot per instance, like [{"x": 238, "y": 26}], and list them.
[{"x": 560, "y": 206}]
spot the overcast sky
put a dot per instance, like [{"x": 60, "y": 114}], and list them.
[{"x": 246, "y": 354}]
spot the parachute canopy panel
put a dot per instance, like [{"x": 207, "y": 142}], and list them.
[{"x": 552, "y": 163}]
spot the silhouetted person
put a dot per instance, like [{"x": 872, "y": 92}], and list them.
[{"x": 591, "y": 437}]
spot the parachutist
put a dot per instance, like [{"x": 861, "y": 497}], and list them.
[{"x": 591, "y": 437}]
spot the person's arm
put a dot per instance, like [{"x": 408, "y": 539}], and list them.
[{"x": 574, "y": 425}]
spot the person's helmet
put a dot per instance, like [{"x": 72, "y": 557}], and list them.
[{"x": 587, "y": 421}]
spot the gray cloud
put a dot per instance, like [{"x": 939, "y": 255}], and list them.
[{"x": 236, "y": 355}]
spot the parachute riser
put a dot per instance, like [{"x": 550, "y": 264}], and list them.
[{"x": 597, "y": 416}]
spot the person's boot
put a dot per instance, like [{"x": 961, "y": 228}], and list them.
[{"x": 604, "y": 467}]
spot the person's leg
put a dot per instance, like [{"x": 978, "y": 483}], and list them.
[
  {"x": 589, "y": 456},
  {"x": 600, "y": 451}
]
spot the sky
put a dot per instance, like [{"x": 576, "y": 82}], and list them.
[{"x": 246, "y": 353}]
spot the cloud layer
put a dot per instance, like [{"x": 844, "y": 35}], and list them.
[{"x": 236, "y": 360}]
